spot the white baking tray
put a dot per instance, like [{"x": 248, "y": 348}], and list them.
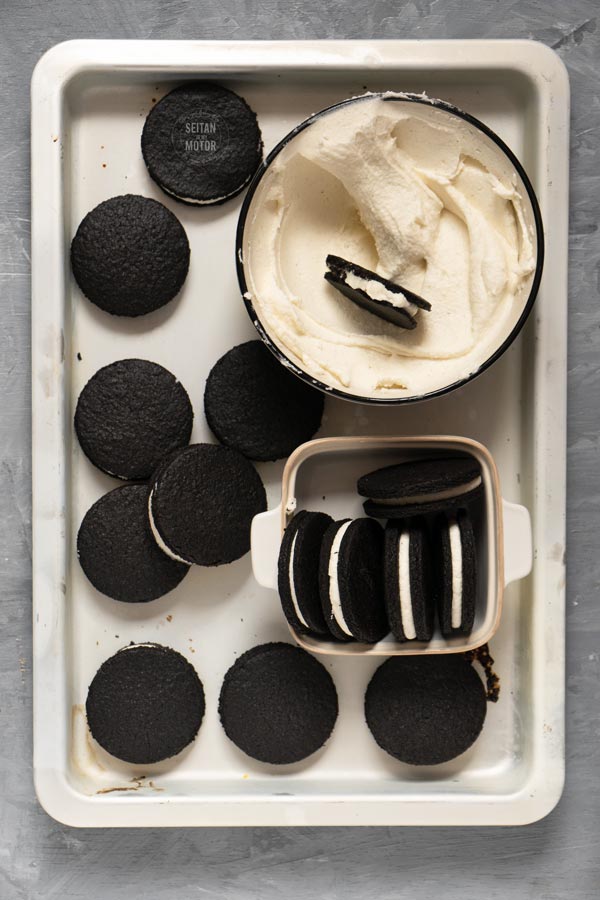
[{"x": 89, "y": 99}]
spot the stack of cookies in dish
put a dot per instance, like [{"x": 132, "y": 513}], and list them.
[{"x": 355, "y": 580}]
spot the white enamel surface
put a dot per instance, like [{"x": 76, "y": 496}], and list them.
[{"x": 513, "y": 773}]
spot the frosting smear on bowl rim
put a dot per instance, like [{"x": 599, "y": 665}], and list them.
[{"x": 418, "y": 195}]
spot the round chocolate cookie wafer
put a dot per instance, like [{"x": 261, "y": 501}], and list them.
[
  {"x": 118, "y": 553},
  {"x": 145, "y": 704},
  {"x": 202, "y": 503},
  {"x": 420, "y": 487},
  {"x": 409, "y": 588},
  {"x": 131, "y": 414},
  {"x": 425, "y": 710},
  {"x": 130, "y": 255},
  {"x": 351, "y": 581},
  {"x": 201, "y": 143},
  {"x": 298, "y": 572},
  {"x": 457, "y": 573},
  {"x": 278, "y": 704},
  {"x": 255, "y": 405}
]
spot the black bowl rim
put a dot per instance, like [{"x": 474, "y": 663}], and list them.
[{"x": 535, "y": 284}]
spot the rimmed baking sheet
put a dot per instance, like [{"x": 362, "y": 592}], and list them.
[{"x": 89, "y": 99}]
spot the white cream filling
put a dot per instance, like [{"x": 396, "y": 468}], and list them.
[
  {"x": 378, "y": 291},
  {"x": 447, "y": 494},
  {"x": 334, "y": 586},
  {"x": 457, "y": 572},
  {"x": 406, "y": 610},
  {"x": 194, "y": 202},
  {"x": 292, "y": 585},
  {"x": 158, "y": 538}
]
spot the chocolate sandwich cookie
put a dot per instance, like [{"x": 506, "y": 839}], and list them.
[
  {"x": 201, "y": 143},
  {"x": 420, "y": 487},
  {"x": 351, "y": 581},
  {"x": 425, "y": 710},
  {"x": 202, "y": 503},
  {"x": 457, "y": 568},
  {"x": 298, "y": 572},
  {"x": 118, "y": 553},
  {"x": 145, "y": 704},
  {"x": 374, "y": 293},
  {"x": 129, "y": 415},
  {"x": 130, "y": 255},
  {"x": 255, "y": 405},
  {"x": 278, "y": 704},
  {"x": 408, "y": 577}
]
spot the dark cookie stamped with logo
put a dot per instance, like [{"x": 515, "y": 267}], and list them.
[{"x": 202, "y": 144}]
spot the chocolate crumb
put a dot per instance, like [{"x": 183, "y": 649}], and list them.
[{"x": 486, "y": 661}]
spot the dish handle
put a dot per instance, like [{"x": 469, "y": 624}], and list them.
[
  {"x": 518, "y": 544},
  {"x": 265, "y": 538}
]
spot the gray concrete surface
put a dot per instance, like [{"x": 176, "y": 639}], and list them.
[{"x": 557, "y": 858}]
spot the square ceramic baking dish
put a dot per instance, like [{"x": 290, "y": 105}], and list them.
[
  {"x": 89, "y": 99},
  {"x": 322, "y": 475}
]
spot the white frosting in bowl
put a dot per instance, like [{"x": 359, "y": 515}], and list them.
[{"x": 416, "y": 194}]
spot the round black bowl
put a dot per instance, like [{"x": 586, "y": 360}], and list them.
[{"x": 393, "y": 401}]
